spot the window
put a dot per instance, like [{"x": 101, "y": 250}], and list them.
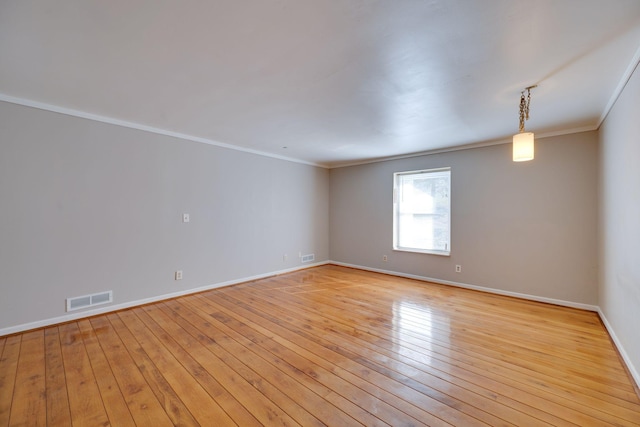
[{"x": 422, "y": 211}]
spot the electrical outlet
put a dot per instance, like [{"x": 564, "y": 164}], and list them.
[
  {"x": 185, "y": 217},
  {"x": 284, "y": 257},
  {"x": 458, "y": 268},
  {"x": 384, "y": 258},
  {"x": 178, "y": 274}
]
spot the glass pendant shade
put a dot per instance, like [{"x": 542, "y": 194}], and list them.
[{"x": 523, "y": 149}]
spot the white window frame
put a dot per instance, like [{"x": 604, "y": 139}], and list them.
[{"x": 396, "y": 213}]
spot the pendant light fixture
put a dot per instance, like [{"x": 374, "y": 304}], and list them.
[{"x": 523, "y": 147}]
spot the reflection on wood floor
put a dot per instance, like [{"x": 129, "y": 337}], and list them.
[{"x": 324, "y": 346}]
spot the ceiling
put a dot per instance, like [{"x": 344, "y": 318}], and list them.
[{"x": 326, "y": 82}]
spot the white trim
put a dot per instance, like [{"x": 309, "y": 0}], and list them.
[
  {"x": 397, "y": 187},
  {"x": 421, "y": 251},
  {"x": 111, "y": 308},
  {"x": 472, "y": 146},
  {"x": 627, "y": 360},
  {"x": 137, "y": 126},
  {"x": 328, "y": 165},
  {"x": 633, "y": 65},
  {"x": 554, "y": 301}
]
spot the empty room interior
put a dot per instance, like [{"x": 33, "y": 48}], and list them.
[{"x": 346, "y": 212}]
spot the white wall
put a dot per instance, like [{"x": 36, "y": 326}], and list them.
[
  {"x": 88, "y": 207},
  {"x": 527, "y": 228},
  {"x": 619, "y": 296}
]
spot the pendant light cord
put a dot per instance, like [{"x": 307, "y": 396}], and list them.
[{"x": 524, "y": 107}]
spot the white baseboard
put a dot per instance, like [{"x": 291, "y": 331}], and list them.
[
  {"x": 476, "y": 288},
  {"x": 109, "y": 308},
  {"x": 106, "y": 309},
  {"x": 627, "y": 360}
]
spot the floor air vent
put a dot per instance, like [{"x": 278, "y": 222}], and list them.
[
  {"x": 89, "y": 300},
  {"x": 308, "y": 258}
]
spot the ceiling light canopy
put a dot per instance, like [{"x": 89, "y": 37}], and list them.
[{"x": 523, "y": 145}]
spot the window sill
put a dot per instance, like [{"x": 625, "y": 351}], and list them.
[{"x": 424, "y": 251}]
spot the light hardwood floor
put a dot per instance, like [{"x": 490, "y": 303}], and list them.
[{"x": 323, "y": 346}]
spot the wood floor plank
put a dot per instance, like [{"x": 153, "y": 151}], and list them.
[
  {"x": 112, "y": 396},
  {"x": 245, "y": 385},
  {"x": 327, "y": 345},
  {"x": 8, "y": 370},
  {"x": 363, "y": 330},
  {"x": 476, "y": 316},
  {"x": 143, "y": 405},
  {"x": 58, "y": 411},
  {"x": 629, "y": 415},
  {"x": 391, "y": 388},
  {"x": 197, "y": 401},
  {"x": 271, "y": 386},
  {"x": 538, "y": 338},
  {"x": 358, "y": 344},
  {"x": 323, "y": 382},
  {"x": 29, "y": 408},
  {"x": 161, "y": 325},
  {"x": 85, "y": 400},
  {"x": 481, "y": 344},
  {"x": 347, "y": 343},
  {"x": 289, "y": 385},
  {"x": 168, "y": 398},
  {"x": 317, "y": 398},
  {"x": 366, "y": 357}
]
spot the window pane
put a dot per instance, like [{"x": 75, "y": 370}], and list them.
[{"x": 421, "y": 214}]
